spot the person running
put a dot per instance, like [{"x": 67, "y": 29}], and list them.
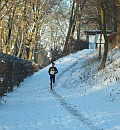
[{"x": 52, "y": 72}]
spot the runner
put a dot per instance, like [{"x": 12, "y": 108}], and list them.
[{"x": 52, "y": 72}]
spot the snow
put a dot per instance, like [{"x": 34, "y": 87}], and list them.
[{"x": 83, "y": 98}]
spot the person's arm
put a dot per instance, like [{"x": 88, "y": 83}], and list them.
[
  {"x": 56, "y": 70},
  {"x": 49, "y": 71}
]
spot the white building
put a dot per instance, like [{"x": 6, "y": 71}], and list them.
[{"x": 93, "y": 37}]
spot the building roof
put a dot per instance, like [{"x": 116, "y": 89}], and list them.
[{"x": 94, "y": 32}]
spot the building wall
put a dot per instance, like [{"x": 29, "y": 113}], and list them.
[{"x": 94, "y": 41}]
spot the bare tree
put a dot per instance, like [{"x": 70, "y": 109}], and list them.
[
  {"x": 105, "y": 5},
  {"x": 25, "y": 24}
]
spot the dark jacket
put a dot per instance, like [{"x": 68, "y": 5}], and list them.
[{"x": 52, "y": 71}]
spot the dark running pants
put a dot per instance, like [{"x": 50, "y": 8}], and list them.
[{"x": 52, "y": 80}]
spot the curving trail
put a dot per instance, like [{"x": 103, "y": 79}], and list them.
[{"x": 65, "y": 104}]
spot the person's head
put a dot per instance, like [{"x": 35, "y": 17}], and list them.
[{"x": 53, "y": 63}]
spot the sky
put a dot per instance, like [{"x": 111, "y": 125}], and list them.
[{"x": 83, "y": 97}]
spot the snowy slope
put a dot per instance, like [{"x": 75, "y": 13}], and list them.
[{"x": 83, "y": 98}]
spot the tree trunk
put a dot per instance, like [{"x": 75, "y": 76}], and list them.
[
  {"x": 4, "y": 41},
  {"x": 100, "y": 47},
  {"x": 118, "y": 26},
  {"x": 66, "y": 47},
  {"x": 23, "y": 23},
  {"x": 78, "y": 18},
  {"x": 102, "y": 66},
  {"x": 1, "y": 24},
  {"x": 115, "y": 16}
]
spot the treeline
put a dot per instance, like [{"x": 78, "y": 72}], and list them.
[
  {"x": 22, "y": 22},
  {"x": 94, "y": 14},
  {"x": 30, "y": 27},
  {"x": 26, "y": 25}
]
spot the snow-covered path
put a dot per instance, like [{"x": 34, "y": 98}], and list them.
[{"x": 71, "y": 105}]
